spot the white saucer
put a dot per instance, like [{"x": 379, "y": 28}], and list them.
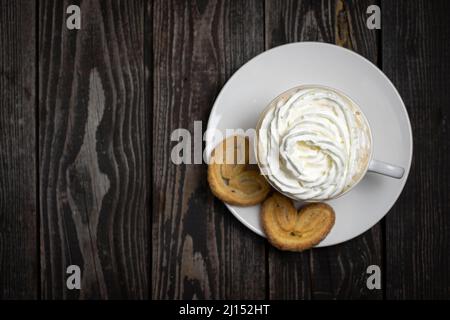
[{"x": 260, "y": 80}]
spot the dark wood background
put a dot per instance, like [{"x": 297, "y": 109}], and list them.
[{"x": 85, "y": 170}]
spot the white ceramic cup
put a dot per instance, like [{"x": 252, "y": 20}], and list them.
[{"x": 373, "y": 165}]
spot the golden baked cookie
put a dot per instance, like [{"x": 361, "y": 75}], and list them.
[
  {"x": 230, "y": 176},
  {"x": 292, "y": 230}
]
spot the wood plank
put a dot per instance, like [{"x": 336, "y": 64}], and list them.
[
  {"x": 18, "y": 218},
  {"x": 199, "y": 250},
  {"x": 416, "y": 57},
  {"x": 94, "y": 152},
  {"x": 336, "y": 272}
]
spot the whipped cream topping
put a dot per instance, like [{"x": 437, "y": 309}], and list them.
[{"x": 313, "y": 144}]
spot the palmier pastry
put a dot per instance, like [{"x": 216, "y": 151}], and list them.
[
  {"x": 292, "y": 230},
  {"x": 230, "y": 176}
]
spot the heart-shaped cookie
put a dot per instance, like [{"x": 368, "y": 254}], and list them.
[
  {"x": 292, "y": 230},
  {"x": 230, "y": 176}
]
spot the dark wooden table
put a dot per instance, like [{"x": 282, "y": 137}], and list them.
[{"x": 85, "y": 171}]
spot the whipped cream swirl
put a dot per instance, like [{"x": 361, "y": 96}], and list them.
[{"x": 313, "y": 144}]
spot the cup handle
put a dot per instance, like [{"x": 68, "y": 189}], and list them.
[{"x": 386, "y": 169}]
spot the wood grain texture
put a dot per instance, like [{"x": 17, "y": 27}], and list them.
[
  {"x": 18, "y": 236},
  {"x": 199, "y": 250},
  {"x": 337, "y": 272},
  {"x": 102, "y": 139},
  {"x": 93, "y": 150},
  {"x": 416, "y": 57}
]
